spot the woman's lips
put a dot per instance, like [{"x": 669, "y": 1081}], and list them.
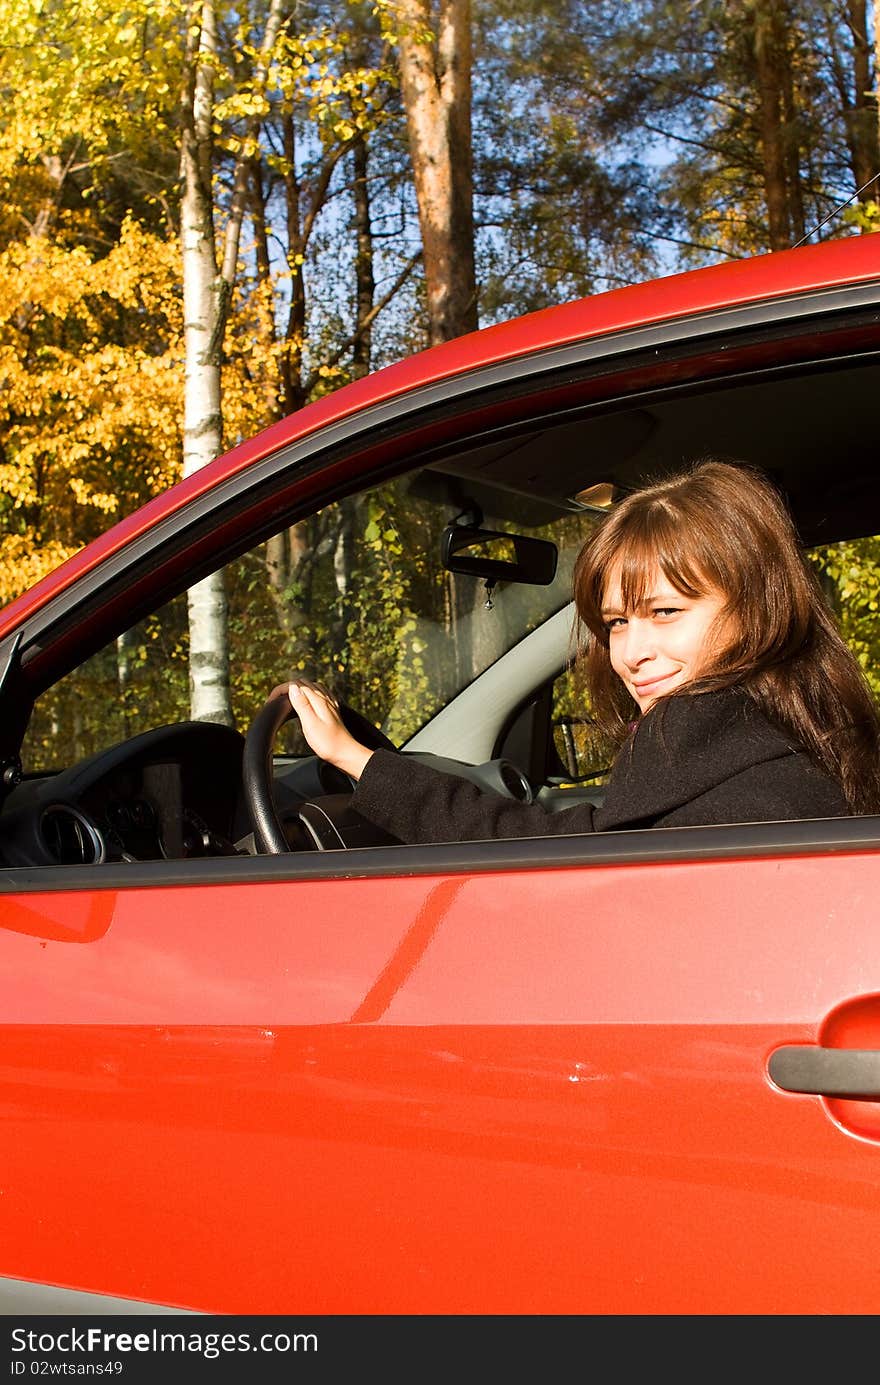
[{"x": 650, "y": 685}]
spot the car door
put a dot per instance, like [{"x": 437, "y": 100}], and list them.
[{"x": 518, "y": 1077}]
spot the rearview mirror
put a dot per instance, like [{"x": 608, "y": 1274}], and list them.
[{"x": 496, "y": 556}]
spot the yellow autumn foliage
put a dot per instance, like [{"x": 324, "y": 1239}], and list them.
[
  {"x": 24, "y": 561},
  {"x": 91, "y": 70},
  {"x": 91, "y": 372},
  {"x": 91, "y": 340}
]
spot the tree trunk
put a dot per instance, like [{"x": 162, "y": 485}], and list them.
[
  {"x": 770, "y": 108},
  {"x": 365, "y": 288},
  {"x": 365, "y": 284},
  {"x": 272, "y": 389},
  {"x": 436, "y": 85},
  {"x": 862, "y": 128},
  {"x": 207, "y": 295},
  {"x": 876, "y": 92},
  {"x": 791, "y": 142},
  {"x": 286, "y": 553},
  {"x": 435, "y": 78},
  {"x": 291, "y": 369},
  {"x": 204, "y": 319}
]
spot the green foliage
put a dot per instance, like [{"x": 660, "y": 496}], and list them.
[
  {"x": 864, "y": 216},
  {"x": 851, "y": 575},
  {"x": 138, "y": 682}
]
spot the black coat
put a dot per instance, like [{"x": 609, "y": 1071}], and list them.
[{"x": 692, "y": 761}]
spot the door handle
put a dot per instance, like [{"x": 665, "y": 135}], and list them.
[{"x": 844, "y": 1072}]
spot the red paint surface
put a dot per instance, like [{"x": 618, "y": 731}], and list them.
[{"x": 535, "y": 1092}]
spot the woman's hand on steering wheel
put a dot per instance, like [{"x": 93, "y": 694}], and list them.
[{"x": 323, "y": 728}]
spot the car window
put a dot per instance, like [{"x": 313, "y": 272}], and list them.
[{"x": 355, "y": 595}]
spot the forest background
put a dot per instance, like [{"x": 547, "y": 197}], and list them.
[{"x": 213, "y": 213}]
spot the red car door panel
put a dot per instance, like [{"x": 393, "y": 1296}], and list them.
[{"x": 497, "y": 1092}]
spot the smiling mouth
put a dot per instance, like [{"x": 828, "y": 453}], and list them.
[{"x": 642, "y": 689}]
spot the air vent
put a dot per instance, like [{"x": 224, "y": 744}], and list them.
[
  {"x": 515, "y": 782},
  {"x": 70, "y": 838}
]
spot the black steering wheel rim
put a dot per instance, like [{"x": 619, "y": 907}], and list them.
[{"x": 257, "y": 776}]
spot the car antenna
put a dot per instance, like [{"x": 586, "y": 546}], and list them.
[{"x": 832, "y": 215}]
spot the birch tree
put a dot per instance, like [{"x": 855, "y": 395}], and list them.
[{"x": 207, "y": 292}]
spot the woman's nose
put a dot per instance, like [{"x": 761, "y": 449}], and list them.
[{"x": 638, "y": 643}]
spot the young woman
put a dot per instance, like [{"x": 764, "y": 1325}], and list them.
[{"x": 711, "y": 658}]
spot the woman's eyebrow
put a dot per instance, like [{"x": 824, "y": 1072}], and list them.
[{"x": 664, "y": 597}]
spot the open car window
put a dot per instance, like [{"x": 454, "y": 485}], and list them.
[{"x": 355, "y": 595}]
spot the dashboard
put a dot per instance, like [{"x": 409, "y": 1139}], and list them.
[
  {"x": 170, "y": 793},
  {"x": 176, "y": 792}
]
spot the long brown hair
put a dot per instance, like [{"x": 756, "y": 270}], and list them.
[{"x": 724, "y": 526}]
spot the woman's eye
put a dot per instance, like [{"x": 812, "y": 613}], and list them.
[
  {"x": 667, "y": 610},
  {"x": 615, "y": 623}
]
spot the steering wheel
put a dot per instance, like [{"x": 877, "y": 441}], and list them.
[{"x": 257, "y": 762}]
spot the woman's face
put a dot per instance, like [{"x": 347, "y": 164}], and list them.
[{"x": 666, "y": 642}]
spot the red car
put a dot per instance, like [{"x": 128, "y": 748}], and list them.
[{"x": 258, "y": 1059}]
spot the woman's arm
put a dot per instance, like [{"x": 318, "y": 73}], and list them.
[{"x": 414, "y": 802}]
